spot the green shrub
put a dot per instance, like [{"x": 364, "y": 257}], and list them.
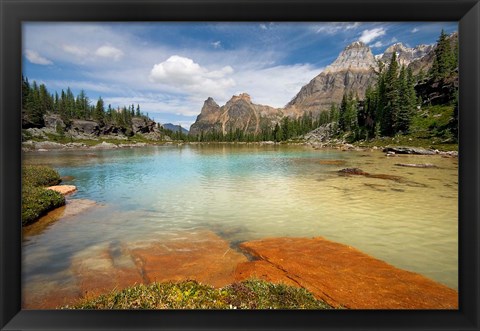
[
  {"x": 36, "y": 200},
  {"x": 39, "y": 176},
  {"x": 251, "y": 294}
]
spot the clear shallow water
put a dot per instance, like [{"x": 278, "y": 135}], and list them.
[{"x": 250, "y": 192}]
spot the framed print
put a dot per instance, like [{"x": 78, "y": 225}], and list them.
[{"x": 239, "y": 165}]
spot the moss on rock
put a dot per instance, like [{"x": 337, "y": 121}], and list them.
[
  {"x": 249, "y": 294},
  {"x": 36, "y": 200}
]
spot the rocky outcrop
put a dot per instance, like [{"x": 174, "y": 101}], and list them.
[
  {"x": 438, "y": 92},
  {"x": 322, "y": 134},
  {"x": 409, "y": 150},
  {"x": 54, "y": 122},
  {"x": 352, "y": 71},
  {"x": 143, "y": 125},
  {"x": 342, "y": 276},
  {"x": 86, "y": 127},
  {"x": 239, "y": 113}
]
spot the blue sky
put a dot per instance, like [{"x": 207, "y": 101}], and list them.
[{"x": 171, "y": 68}]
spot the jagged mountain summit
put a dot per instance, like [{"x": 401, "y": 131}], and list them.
[
  {"x": 238, "y": 113},
  {"x": 353, "y": 70},
  {"x": 405, "y": 55}
]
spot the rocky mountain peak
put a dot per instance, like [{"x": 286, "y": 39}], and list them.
[
  {"x": 405, "y": 55},
  {"x": 397, "y": 47},
  {"x": 355, "y": 57},
  {"x": 242, "y": 96},
  {"x": 209, "y": 106}
]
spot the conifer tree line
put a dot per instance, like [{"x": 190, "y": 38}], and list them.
[
  {"x": 37, "y": 101},
  {"x": 286, "y": 129}
]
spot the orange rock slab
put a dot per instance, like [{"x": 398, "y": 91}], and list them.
[
  {"x": 201, "y": 256},
  {"x": 63, "y": 189},
  {"x": 343, "y": 276}
]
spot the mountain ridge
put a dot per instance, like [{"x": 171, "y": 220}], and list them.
[{"x": 353, "y": 71}]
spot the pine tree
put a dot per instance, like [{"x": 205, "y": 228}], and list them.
[
  {"x": 99, "y": 113},
  {"x": 445, "y": 58},
  {"x": 392, "y": 101},
  {"x": 403, "y": 111}
]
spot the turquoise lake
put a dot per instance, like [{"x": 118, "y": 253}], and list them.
[{"x": 245, "y": 192}]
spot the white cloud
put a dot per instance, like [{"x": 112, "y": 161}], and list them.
[
  {"x": 189, "y": 77},
  {"x": 109, "y": 52},
  {"x": 263, "y": 26},
  {"x": 372, "y": 34},
  {"x": 75, "y": 50},
  {"x": 332, "y": 28},
  {"x": 274, "y": 86},
  {"x": 377, "y": 44},
  {"x": 36, "y": 58},
  {"x": 216, "y": 44},
  {"x": 414, "y": 30}
]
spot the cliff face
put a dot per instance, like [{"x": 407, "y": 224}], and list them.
[
  {"x": 353, "y": 70},
  {"x": 238, "y": 113}
]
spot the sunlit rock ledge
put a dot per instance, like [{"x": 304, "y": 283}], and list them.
[{"x": 337, "y": 274}]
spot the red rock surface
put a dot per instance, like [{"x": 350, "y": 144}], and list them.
[
  {"x": 203, "y": 256},
  {"x": 343, "y": 276}
]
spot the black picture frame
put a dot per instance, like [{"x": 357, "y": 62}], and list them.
[{"x": 14, "y": 12}]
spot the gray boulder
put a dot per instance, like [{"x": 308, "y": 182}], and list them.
[
  {"x": 53, "y": 122},
  {"x": 87, "y": 127}
]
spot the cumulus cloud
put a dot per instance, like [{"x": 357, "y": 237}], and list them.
[
  {"x": 415, "y": 30},
  {"x": 75, "y": 50},
  {"x": 36, "y": 58},
  {"x": 189, "y": 76},
  {"x": 216, "y": 44},
  {"x": 372, "y": 34},
  {"x": 109, "y": 52}
]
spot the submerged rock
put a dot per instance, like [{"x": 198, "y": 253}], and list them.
[
  {"x": 332, "y": 162},
  {"x": 353, "y": 171},
  {"x": 202, "y": 256},
  {"x": 72, "y": 207},
  {"x": 360, "y": 172},
  {"x": 343, "y": 276},
  {"x": 416, "y": 165}
]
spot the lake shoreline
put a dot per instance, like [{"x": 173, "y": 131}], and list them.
[{"x": 390, "y": 149}]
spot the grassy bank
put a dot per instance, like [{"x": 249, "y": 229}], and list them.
[
  {"x": 430, "y": 128},
  {"x": 36, "y": 200},
  {"x": 250, "y": 294}
]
